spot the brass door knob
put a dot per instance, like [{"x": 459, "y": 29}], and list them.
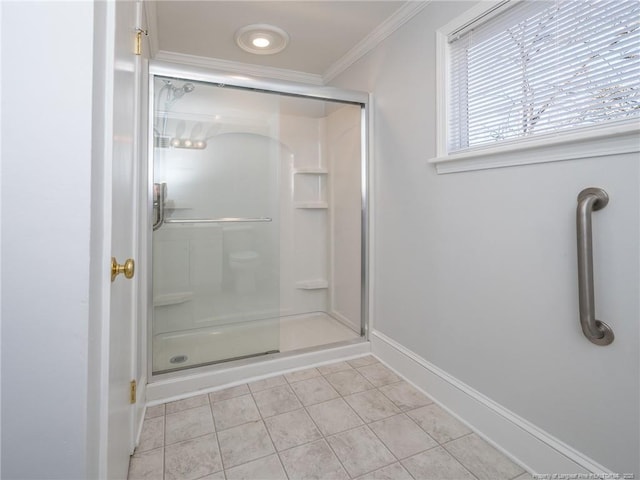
[{"x": 128, "y": 268}]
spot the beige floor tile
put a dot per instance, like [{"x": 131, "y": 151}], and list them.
[
  {"x": 267, "y": 468},
  {"x": 314, "y": 390},
  {"x": 362, "y": 361},
  {"x": 484, "y": 461},
  {"x": 438, "y": 423},
  {"x": 360, "y": 451},
  {"x": 267, "y": 383},
  {"x": 152, "y": 435},
  {"x": 371, "y": 405},
  {"x": 244, "y": 443},
  {"x": 191, "y": 402},
  {"x": 437, "y": 464},
  {"x": 348, "y": 382},
  {"x": 334, "y": 416},
  {"x": 313, "y": 461},
  {"x": 147, "y": 465},
  {"x": 524, "y": 476},
  {"x": 192, "y": 459},
  {"x": 402, "y": 436},
  {"x": 395, "y": 471},
  {"x": 214, "y": 476},
  {"x": 292, "y": 429},
  {"x": 155, "y": 411},
  {"x": 228, "y": 393},
  {"x": 234, "y": 411},
  {"x": 378, "y": 374},
  {"x": 300, "y": 375},
  {"x": 255, "y": 421},
  {"x": 405, "y": 396},
  {"x": 334, "y": 367},
  {"x": 276, "y": 400},
  {"x": 187, "y": 424}
]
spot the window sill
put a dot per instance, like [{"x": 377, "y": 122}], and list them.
[{"x": 586, "y": 143}]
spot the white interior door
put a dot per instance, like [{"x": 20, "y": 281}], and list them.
[{"x": 122, "y": 326}]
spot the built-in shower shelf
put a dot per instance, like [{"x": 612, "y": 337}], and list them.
[
  {"x": 172, "y": 299},
  {"x": 312, "y": 170},
  {"x": 311, "y": 205},
  {"x": 316, "y": 284}
]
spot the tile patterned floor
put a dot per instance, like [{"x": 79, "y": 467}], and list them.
[{"x": 347, "y": 420}]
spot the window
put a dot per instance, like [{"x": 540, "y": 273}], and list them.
[{"x": 532, "y": 68}]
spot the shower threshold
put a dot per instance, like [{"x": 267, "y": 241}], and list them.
[
  {"x": 212, "y": 345},
  {"x": 215, "y": 362}
]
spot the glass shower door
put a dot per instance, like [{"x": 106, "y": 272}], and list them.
[{"x": 216, "y": 248}]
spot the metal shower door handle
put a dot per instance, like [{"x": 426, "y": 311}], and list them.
[
  {"x": 159, "y": 201},
  {"x": 589, "y": 200}
]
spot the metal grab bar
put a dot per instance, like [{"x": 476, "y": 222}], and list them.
[
  {"x": 589, "y": 200},
  {"x": 217, "y": 220}
]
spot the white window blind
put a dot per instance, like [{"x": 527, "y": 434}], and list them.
[{"x": 541, "y": 67}]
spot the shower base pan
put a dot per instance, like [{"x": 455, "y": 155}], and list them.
[{"x": 180, "y": 350}]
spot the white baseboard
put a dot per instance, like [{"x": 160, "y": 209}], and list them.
[{"x": 534, "y": 449}]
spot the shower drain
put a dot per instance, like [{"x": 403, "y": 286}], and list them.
[{"x": 178, "y": 359}]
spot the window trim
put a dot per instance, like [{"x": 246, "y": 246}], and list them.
[{"x": 593, "y": 141}]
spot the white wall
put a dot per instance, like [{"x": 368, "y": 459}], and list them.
[
  {"x": 476, "y": 272},
  {"x": 0, "y": 249},
  {"x": 46, "y": 200}
]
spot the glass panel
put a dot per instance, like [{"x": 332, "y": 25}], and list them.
[
  {"x": 215, "y": 284},
  {"x": 260, "y": 249}
]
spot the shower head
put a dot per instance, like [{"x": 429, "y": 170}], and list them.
[
  {"x": 171, "y": 95},
  {"x": 174, "y": 93},
  {"x": 186, "y": 88}
]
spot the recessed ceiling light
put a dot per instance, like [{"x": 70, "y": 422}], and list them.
[
  {"x": 261, "y": 42},
  {"x": 262, "y": 39}
]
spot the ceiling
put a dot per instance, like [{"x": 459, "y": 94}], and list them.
[{"x": 321, "y": 32}]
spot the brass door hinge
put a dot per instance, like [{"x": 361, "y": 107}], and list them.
[
  {"x": 132, "y": 392},
  {"x": 138, "y": 46}
]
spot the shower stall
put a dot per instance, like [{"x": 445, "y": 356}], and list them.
[{"x": 257, "y": 214}]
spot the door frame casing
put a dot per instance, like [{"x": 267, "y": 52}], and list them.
[
  {"x": 139, "y": 349},
  {"x": 108, "y": 24}
]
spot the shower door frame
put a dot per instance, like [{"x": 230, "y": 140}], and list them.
[{"x": 267, "y": 86}]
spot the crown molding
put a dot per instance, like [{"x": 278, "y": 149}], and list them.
[
  {"x": 238, "y": 67},
  {"x": 386, "y": 28},
  {"x": 368, "y": 43}
]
